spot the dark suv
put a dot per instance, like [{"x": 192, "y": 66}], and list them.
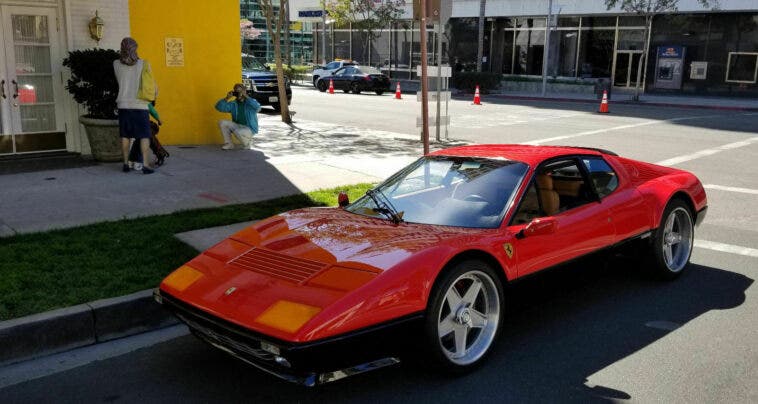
[{"x": 261, "y": 83}]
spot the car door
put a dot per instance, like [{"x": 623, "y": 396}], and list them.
[
  {"x": 569, "y": 218},
  {"x": 341, "y": 78}
]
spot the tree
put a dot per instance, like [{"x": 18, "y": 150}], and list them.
[
  {"x": 648, "y": 9},
  {"x": 367, "y": 16},
  {"x": 275, "y": 22}
]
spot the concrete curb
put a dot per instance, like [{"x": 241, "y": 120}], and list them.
[{"x": 85, "y": 324}]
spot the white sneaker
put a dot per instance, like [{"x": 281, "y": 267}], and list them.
[
  {"x": 137, "y": 166},
  {"x": 228, "y": 146}
]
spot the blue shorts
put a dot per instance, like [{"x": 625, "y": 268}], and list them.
[{"x": 134, "y": 123}]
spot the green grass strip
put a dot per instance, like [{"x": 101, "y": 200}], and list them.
[{"x": 61, "y": 268}]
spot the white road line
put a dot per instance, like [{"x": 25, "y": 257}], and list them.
[
  {"x": 635, "y": 125},
  {"x": 707, "y": 152},
  {"x": 731, "y": 189},
  {"x": 727, "y": 248}
]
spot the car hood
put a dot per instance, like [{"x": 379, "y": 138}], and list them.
[
  {"x": 350, "y": 270},
  {"x": 253, "y": 74},
  {"x": 332, "y": 235}
]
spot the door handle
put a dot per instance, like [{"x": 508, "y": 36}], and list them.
[
  {"x": 2, "y": 89},
  {"x": 15, "y": 85}
]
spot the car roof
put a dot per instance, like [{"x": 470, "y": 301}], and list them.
[{"x": 532, "y": 155}]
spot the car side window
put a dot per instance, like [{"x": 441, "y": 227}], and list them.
[
  {"x": 348, "y": 71},
  {"x": 603, "y": 177},
  {"x": 529, "y": 207},
  {"x": 332, "y": 65},
  {"x": 340, "y": 72},
  {"x": 561, "y": 186}
]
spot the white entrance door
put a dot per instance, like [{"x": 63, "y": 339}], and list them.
[{"x": 30, "y": 100}]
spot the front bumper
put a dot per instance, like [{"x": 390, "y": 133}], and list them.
[
  {"x": 269, "y": 97},
  {"x": 310, "y": 363}
]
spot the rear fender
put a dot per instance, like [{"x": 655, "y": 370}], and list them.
[{"x": 658, "y": 192}]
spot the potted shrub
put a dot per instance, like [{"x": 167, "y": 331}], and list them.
[{"x": 93, "y": 85}]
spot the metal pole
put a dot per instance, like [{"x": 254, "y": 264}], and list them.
[
  {"x": 546, "y": 52},
  {"x": 424, "y": 86},
  {"x": 323, "y": 35},
  {"x": 439, "y": 76}
]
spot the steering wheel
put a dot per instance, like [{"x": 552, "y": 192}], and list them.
[{"x": 474, "y": 198}]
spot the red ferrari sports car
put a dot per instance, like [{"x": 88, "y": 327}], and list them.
[{"x": 314, "y": 295}]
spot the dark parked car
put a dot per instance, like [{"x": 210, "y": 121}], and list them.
[
  {"x": 356, "y": 79},
  {"x": 261, "y": 83}
]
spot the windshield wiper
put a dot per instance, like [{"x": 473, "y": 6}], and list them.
[{"x": 384, "y": 206}]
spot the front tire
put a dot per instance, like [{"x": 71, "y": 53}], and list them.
[
  {"x": 463, "y": 317},
  {"x": 315, "y": 81},
  {"x": 672, "y": 241},
  {"x": 355, "y": 88},
  {"x": 379, "y": 92},
  {"x": 321, "y": 85}
]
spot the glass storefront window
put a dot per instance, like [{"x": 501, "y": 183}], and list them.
[
  {"x": 597, "y": 22},
  {"x": 567, "y": 50},
  {"x": 631, "y": 39},
  {"x": 508, "y": 52},
  {"x": 596, "y": 53},
  {"x": 529, "y": 51},
  {"x": 568, "y": 22},
  {"x": 530, "y": 23},
  {"x": 631, "y": 21},
  {"x": 741, "y": 67},
  {"x": 341, "y": 45}
]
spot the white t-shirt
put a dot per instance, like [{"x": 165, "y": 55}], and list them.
[{"x": 128, "y": 78}]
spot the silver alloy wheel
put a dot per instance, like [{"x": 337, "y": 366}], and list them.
[
  {"x": 677, "y": 239},
  {"x": 468, "y": 317}
]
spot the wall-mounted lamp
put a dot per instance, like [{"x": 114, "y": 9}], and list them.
[{"x": 96, "y": 27}]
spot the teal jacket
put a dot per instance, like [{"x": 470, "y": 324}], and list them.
[{"x": 251, "y": 111}]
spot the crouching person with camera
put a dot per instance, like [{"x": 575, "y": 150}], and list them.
[{"x": 244, "y": 122}]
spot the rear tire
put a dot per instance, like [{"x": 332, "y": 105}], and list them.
[
  {"x": 379, "y": 92},
  {"x": 463, "y": 316},
  {"x": 321, "y": 85},
  {"x": 672, "y": 241},
  {"x": 355, "y": 88}
]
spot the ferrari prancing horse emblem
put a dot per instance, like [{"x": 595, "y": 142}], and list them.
[{"x": 508, "y": 249}]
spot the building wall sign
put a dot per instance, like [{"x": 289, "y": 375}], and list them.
[
  {"x": 174, "y": 52},
  {"x": 698, "y": 70}
]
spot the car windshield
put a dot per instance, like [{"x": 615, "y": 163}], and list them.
[
  {"x": 251, "y": 63},
  {"x": 446, "y": 190}
]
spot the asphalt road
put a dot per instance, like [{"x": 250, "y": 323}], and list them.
[{"x": 599, "y": 331}]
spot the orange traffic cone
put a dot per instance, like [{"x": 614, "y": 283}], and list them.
[
  {"x": 477, "y": 100},
  {"x": 397, "y": 91},
  {"x": 331, "y": 86},
  {"x": 604, "y": 103}
]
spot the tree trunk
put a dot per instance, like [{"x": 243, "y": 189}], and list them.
[{"x": 275, "y": 35}]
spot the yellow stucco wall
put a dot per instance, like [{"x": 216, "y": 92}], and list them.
[{"x": 186, "y": 95}]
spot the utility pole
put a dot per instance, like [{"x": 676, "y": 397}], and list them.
[{"x": 323, "y": 36}]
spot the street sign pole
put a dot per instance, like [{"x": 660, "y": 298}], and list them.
[{"x": 439, "y": 76}]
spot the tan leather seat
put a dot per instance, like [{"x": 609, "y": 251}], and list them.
[{"x": 549, "y": 198}]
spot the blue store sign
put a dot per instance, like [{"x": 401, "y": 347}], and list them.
[{"x": 670, "y": 52}]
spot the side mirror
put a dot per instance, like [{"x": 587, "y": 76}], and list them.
[
  {"x": 540, "y": 226},
  {"x": 342, "y": 199},
  {"x": 268, "y": 67}
]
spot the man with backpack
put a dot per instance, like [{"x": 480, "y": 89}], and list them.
[{"x": 244, "y": 122}]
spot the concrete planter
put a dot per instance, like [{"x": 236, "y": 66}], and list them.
[
  {"x": 104, "y": 140},
  {"x": 536, "y": 87}
]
